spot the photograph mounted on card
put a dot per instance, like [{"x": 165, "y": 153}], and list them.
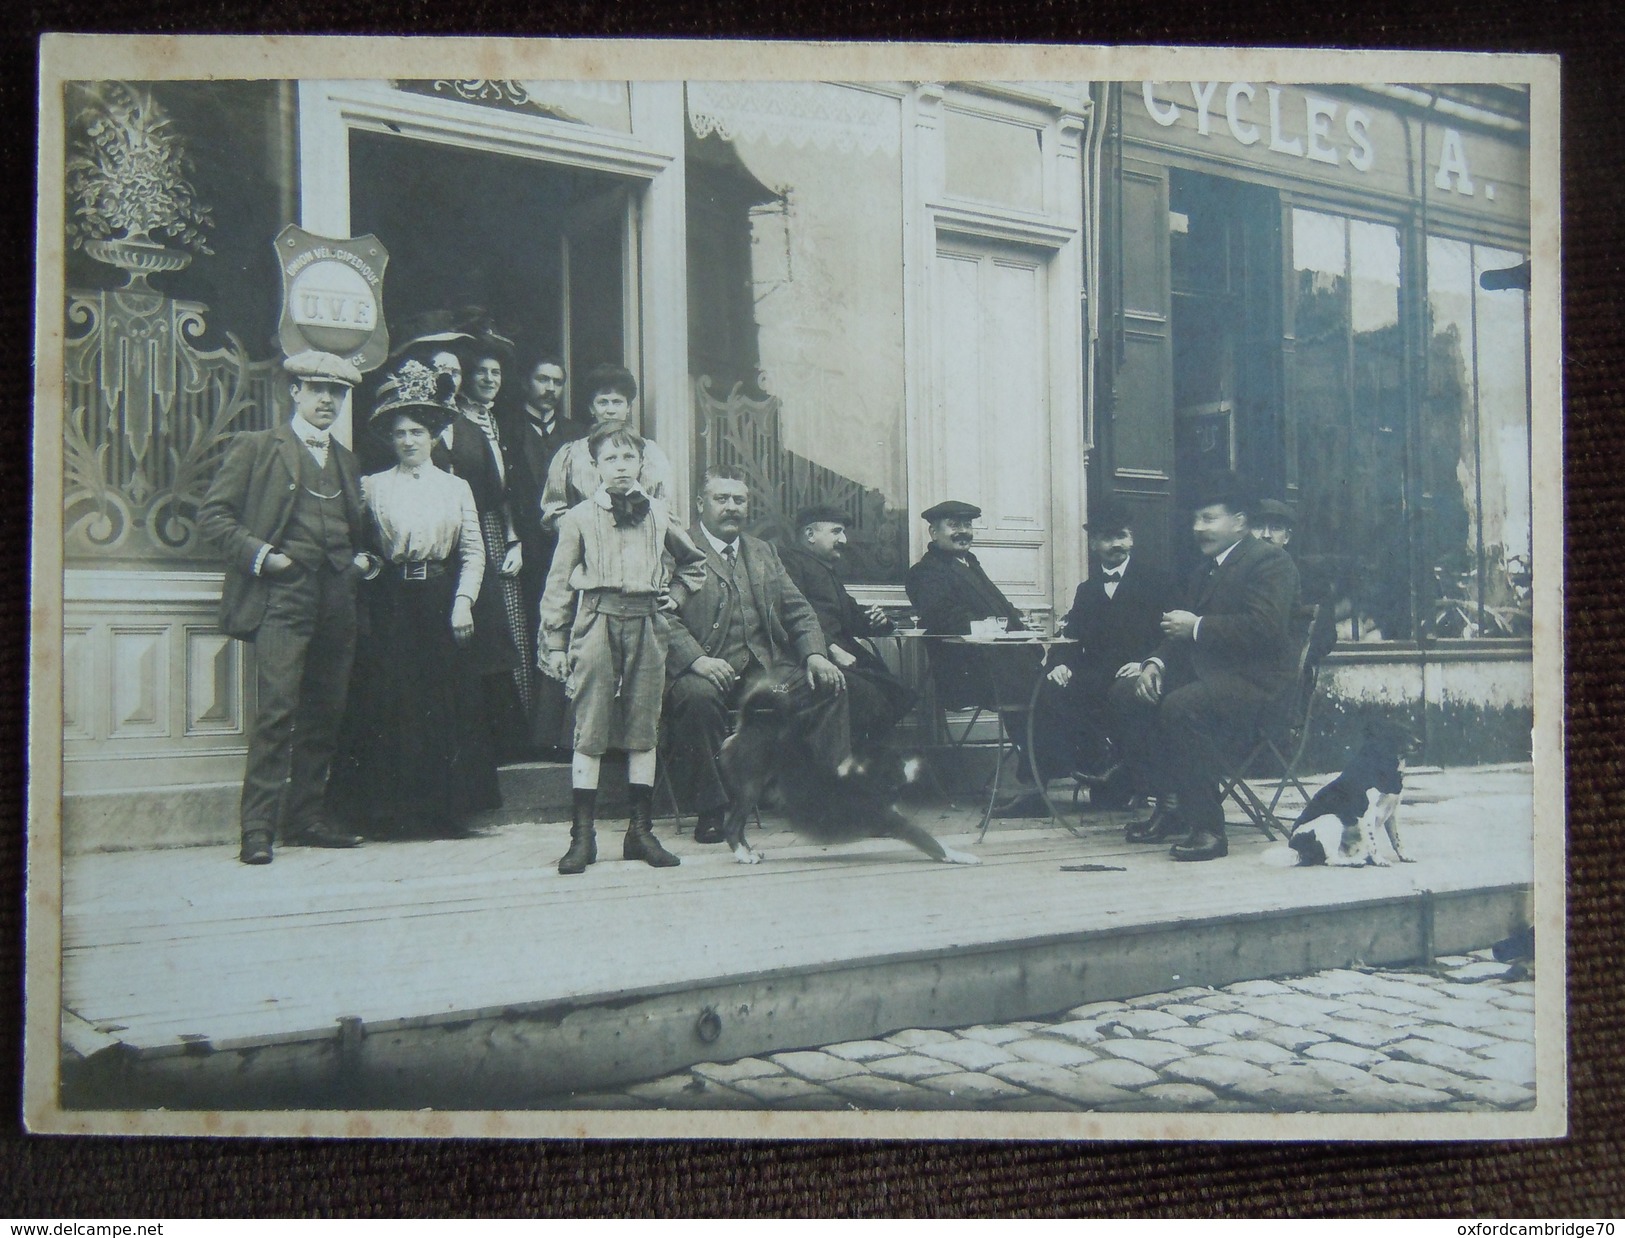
[{"x": 778, "y": 590}]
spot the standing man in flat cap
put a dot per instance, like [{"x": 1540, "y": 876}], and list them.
[
  {"x": 285, "y": 512},
  {"x": 949, "y": 590},
  {"x": 877, "y": 699}
]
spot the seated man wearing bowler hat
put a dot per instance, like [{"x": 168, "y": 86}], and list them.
[
  {"x": 1225, "y": 653},
  {"x": 284, "y": 509},
  {"x": 950, "y": 591},
  {"x": 877, "y": 699}
]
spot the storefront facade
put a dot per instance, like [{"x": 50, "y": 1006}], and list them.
[
  {"x": 1326, "y": 289},
  {"x": 871, "y": 295}
]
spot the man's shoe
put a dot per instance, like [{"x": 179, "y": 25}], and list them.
[
  {"x": 1026, "y": 804},
  {"x": 708, "y": 829},
  {"x": 1201, "y": 845},
  {"x": 320, "y": 834},
  {"x": 640, "y": 842},
  {"x": 1161, "y": 826},
  {"x": 256, "y": 847}
]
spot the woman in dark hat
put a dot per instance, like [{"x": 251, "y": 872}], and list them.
[
  {"x": 416, "y": 758},
  {"x": 471, "y": 448}
]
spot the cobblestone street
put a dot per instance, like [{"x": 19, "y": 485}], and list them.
[{"x": 1453, "y": 1038}]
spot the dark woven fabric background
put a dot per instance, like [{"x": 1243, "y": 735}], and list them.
[{"x": 1584, "y": 1176}]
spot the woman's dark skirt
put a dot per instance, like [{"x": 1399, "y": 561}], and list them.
[{"x": 416, "y": 751}]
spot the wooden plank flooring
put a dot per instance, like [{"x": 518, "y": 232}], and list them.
[{"x": 166, "y": 946}]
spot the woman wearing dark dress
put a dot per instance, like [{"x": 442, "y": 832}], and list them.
[
  {"x": 417, "y": 758},
  {"x": 471, "y": 448}
]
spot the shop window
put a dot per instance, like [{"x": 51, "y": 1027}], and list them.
[
  {"x": 795, "y": 208},
  {"x": 1350, "y": 540},
  {"x": 1475, "y": 435}
]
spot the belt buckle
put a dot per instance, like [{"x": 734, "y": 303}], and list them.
[{"x": 415, "y": 571}]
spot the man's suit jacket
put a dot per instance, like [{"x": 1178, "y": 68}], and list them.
[
  {"x": 247, "y": 508},
  {"x": 1247, "y": 604},
  {"x": 1118, "y": 629},
  {"x": 947, "y": 596},
  {"x": 789, "y": 623},
  {"x": 527, "y": 456},
  {"x": 843, "y": 621}
]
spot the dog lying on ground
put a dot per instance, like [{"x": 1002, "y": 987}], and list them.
[
  {"x": 1339, "y": 825},
  {"x": 856, "y": 800}
]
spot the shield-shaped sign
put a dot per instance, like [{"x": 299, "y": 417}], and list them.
[{"x": 333, "y": 296}]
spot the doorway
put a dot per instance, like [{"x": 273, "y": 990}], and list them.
[{"x": 550, "y": 251}]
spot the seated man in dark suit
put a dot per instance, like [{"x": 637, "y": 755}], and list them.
[
  {"x": 876, "y": 699},
  {"x": 1197, "y": 698},
  {"x": 1115, "y": 618},
  {"x": 748, "y": 620},
  {"x": 950, "y": 590}
]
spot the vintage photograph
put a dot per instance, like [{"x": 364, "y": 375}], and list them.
[{"x": 795, "y": 592}]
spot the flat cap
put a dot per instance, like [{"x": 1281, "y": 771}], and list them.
[
  {"x": 951, "y": 509},
  {"x": 820, "y": 513},
  {"x": 322, "y": 367},
  {"x": 1273, "y": 509}
]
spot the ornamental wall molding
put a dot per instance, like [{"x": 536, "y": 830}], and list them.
[{"x": 821, "y": 115}]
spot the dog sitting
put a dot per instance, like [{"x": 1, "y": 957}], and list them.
[
  {"x": 856, "y": 800},
  {"x": 1339, "y": 825}
]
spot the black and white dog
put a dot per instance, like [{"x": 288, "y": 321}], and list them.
[
  {"x": 1339, "y": 825},
  {"x": 856, "y": 800}
]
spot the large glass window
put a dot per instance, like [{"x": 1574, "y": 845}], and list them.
[
  {"x": 1475, "y": 433},
  {"x": 1348, "y": 388}
]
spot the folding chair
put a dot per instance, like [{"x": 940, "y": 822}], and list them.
[{"x": 1282, "y": 727}]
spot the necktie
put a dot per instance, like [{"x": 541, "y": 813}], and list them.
[{"x": 318, "y": 444}]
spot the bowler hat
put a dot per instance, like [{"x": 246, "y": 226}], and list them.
[
  {"x": 1110, "y": 516},
  {"x": 1227, "y": 489},
  {"x": 950, "y": 509}
]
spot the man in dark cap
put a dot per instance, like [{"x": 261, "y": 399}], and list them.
[
  {"x": 1222, "y": 657},
  {"x": 1115, "y": 618},
  {"x": 285, "y": 512},
  {"x": 1273, "y": 523},
  {"x": 950, "y": 590},
  {"x": 877, "y": 699}
]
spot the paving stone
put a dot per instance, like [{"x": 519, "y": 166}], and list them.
[
  {"x": 1493, "y": 1092},
  {"x": 1258, "y": 988},
  {"x": 1349, "y": 1055},
  {"x": 993, "y": 1035},
  {"x": 1028, "y": 1025},
  {"x": 1033, "y": 1102},
  {"x": 1296, "y": 1011},
  {"x": 813, "y": 1065},
  {"x": 1096, "y": 1011},
  {"x": 910, "y": 1067},
  {"x": 1189, "y": 1037},
  {"x": 1069, "y": 1085},
  {"x": 1054, "y": 1052},
  {"x": 1295, "y": 1039},
  {"x": 1078, "y": 1031},
  {"x": 821, "y": 1100},
  {"x": 1389, "y": 1005},
  {"x": 673, "y": 1091},
  {"x": 1432, "y": 1053},
  {"x": 1418, "y": 1073},
  {"x": 1117, "y": 1073},
  {"x": 1258, "y": 1052},
  {"x": 862, "y": 1050},
  {"x": 1381, "y": 1097},
  {"x": 1147, "y": 1001},
  {"x": 972, "y": 1088},
  {"x": 605, "y": 1100},
  {"x": 1224, "y": 1002},
  {"x": 1339, "y": 1076},
  {"x": 778, "y": 1089},
  {"x": 968, "y": 1054},
  {"x": 919, "y": 1037},
  {"x": 1142, "y": 1021},
  {"x": 744, "y": 1068},
  {"x": 1216, "y": 1072},
  {"x": 1489, "y": 1018},
  {"x": 1177, "y": 1096},
  {"x": 1152, "y": 1053},
  {"x": 1189, "y": 993},
  {"x": 1478, "y": 972},
  {"x": 1233, "y": 1023},
  {"x": 876, "y": 1091},
  {"x": 1452, "y": 960},
  {"x": 1329, "y": 984},
  {"x": 1295, "y": 1089},
  {"x": 1513, "y": 1001},
  {"x": 1369, "y": 1035},
  {"x": 1456, "y": 1037},
  {"x": 1188, "y": 1011},
  {"x": 1515, "y": 1070}
]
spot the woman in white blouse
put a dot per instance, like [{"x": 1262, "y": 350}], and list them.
[{"x": 417, "y": 758}]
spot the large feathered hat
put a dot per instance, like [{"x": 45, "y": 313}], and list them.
[{"x": 418, "y": 390}]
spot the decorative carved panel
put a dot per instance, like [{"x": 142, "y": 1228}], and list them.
[
  {"x": 139, "y": 695},
  {"x": 78, "y": 679},
  {"x": 214, "y": 686}
]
